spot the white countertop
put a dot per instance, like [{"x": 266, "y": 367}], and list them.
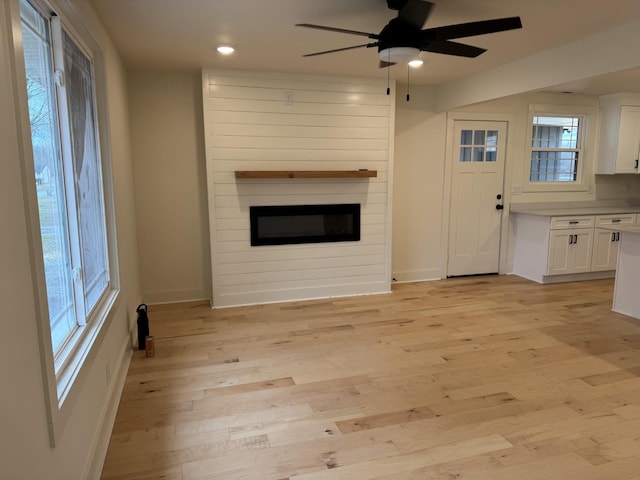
[{"x": 569, "y": 208}]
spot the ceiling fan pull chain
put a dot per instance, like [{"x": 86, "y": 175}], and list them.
[
  {"x": 388, "y": 73},
  {"x": 408, "y": 85}
]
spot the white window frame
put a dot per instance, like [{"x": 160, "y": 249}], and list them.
[
  {"x": 586, "y": 147},
  {"x": 64, "y": 371}
]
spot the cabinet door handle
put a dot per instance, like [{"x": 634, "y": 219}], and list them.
[
  {"x": 570, "y": 239},
  {"x": 575, "y": 239},
  {"x": 613, "y": 236},
  {"x": 616, "y": 220},
  {"x": 617, "y": 236},
  {"x": 574, "y": 222},
  {"x": 636, "y": 163}
]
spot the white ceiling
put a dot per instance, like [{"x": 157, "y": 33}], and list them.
[{"x": 183, "y": 34}]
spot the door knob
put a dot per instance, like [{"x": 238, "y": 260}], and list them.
[{"x": 499, "y": 207}]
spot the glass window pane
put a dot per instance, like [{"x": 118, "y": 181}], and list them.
[
  {"x": 465, "y": 137},
  {"x": 555, "y": 141},
  {"x": 492, "y": 137},
  {"x": 478, "y": 137},
  {"x": 87, "y": 172},
  {"x": 478, "y": 154},
  {"x": 554, "y": 166},
  {"x": 49, "y": 176},
  {"x": 555, "y": 132},
  {"x": 465, "y": 154},
  {"x": 491, "y": 154}
]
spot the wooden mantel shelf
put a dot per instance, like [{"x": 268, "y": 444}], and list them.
[{"x": 306, "y": 173}]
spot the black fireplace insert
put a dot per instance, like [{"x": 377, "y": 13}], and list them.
[{"x": 291, "y": 224}]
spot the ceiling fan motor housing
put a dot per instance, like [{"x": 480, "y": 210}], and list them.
[
  {"x": 398, "y": 33},
  {"x": 396, "y": 4}
]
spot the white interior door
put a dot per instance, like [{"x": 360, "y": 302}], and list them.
[{"x": 475, "y": 218}]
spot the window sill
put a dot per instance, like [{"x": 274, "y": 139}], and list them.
[
  {"x": 555, "y": 187},
  {"x": 68, "y": 367}
]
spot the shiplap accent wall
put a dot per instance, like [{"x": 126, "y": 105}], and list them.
[{"x": 270, "y": 121}]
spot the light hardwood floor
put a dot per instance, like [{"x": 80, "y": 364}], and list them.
[{"x": 494, "y": 378}]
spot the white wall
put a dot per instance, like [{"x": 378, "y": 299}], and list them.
[
  {"x": 330, "y": 124},
  {"x": 167, "y": 134},
  {"x": 419, "y": 164},
  {"x": 25, "y": 452}
]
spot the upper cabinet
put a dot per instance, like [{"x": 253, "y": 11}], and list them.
[{"x": 619, "y": 140}]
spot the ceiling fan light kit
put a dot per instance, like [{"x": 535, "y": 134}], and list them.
[{"x": 398, "y": 54}]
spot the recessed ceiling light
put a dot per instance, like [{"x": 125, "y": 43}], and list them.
[
  {"x": 225, "y": 49},
  {"x": 415, "y": 63}
]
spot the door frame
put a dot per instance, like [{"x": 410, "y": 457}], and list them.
[{"x": 505, "y": 258}]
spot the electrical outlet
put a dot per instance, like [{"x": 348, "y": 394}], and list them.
[{"x": 516, "y": 189}]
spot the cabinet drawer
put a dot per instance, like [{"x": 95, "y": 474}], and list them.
[
  {"x": 622, "y": 219},
  {"x": 572, "y": 222}
]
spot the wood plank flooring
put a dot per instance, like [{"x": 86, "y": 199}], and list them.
[{"x": 492, "y": 378}]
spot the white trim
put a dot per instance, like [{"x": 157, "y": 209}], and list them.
[
  {"x": 417, "y": 276},
  {"x": 100, "y": 443},
  {"x": 301, "y": 294},
  {"x": 175, "y": 296}
]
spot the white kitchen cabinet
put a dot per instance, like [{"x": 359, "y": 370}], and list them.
[
  {"x": 605, "y": 250},
  {"x": 606, "y": 242},
  {"x": 619, "y": 137},
  {"x": 561, "y": 248},
  {"x": 569, "y": 251}
]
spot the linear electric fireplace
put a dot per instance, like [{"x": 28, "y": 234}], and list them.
[{"x": 290, "y": 224}]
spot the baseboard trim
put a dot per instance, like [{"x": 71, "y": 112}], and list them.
[
  {"x": 418, "y": 276},
  {"x": 175, "y": 296},
  {"x": 577, "y": 277},
  {"x": 299, "y": 294},
  {"x": 93, "y": 470}
]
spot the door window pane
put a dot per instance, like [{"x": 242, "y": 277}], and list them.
[
  {"x": 465, "y": 137},
  {"x": 478, "y": 154},
  {"x": 465, "y": 154},
  {"x": 478, "y": 137}
]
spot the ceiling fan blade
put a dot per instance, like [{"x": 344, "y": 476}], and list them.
[
  {"x": 339, "y": 30},
  {"x": 415, "y": 12},
  {"x": 384, "y": 64},
  {"x": 341, "y": 49},
  {"x": 452, "y": 48},
  {"x": 471, "y": 29}
]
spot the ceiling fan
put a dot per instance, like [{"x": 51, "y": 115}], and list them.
[{"x": 403, "y": 38}]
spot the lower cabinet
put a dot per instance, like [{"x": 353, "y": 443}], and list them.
[
  {"x": 605, "y": 250},
  {"x": 546, "y": 248},
  {"x": 570, "y": 251}
]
